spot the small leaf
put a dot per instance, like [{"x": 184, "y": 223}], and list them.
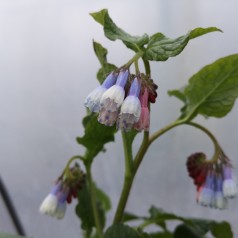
[
  {"x": 184, "y": 231},
  {"x": 104, "y": 199},
  {"x": 213, "y": 90},
  {"x": 160, "y": 47},
  {"x": 95, "y": 136},
  {"x": 104, "y": 71},
  {"x": 106, "y": 68},
  {"x": 178, "y": 94},
  {"x": 127, "y": 216},
  {"x": 100, "y": 52},
  {"x": 165, "y": 234},
  {"x": 221, "y": 230},
  {"x": 121, "y": 231},
  {"x": 113, "y": 32},
  {"x": 99, "y": 16},
  {"x": 201, "y": 31}
]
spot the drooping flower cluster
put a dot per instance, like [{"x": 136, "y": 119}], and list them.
[
  {"x": 66, "y": 187},
  {"x": 215, "y": 181},
  {"x": 123, "y": 99}
]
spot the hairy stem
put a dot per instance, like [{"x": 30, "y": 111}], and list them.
[
  {"x": 94, "y": 202},
  {"x": 128, "y": 178},
  {"x": 217, "y": 147}
]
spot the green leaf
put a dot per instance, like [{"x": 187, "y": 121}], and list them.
[
  {"x": 221, "y": 230},
  {"x": 165, "y": 234},
  {"x": 3, "y": 235},
  {"x": 104, "y": 71},
  {"x": 99, "y": 16},
  {"x": 213, "y": 90},
  {"x": 100, "y": 52},
  {"x": 159, "y": 214},
  {"x": 178, "y": 94},
  {"x": 160, "y": 47},
  {"x": 121, "y": 231},
  {"x": 201, "y": 31},
  {"x": 95, "y": 136},
  {"x": 113, "y": 32},
  {"x": 127, "y": 216},
  {"x": 84, "y": 208},
  {"x": 184, "y": 231},
  {"x": 106, "y": 67},
  {"x": 104, "y": 199}
]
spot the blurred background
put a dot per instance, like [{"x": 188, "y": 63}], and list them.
[{"x": 47, "y": 68}]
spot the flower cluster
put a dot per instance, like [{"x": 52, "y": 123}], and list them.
[
  {"x": 123, "y": 99},
  {"x": 66, "y": 187},
  {"x": 215, "y": 181}
]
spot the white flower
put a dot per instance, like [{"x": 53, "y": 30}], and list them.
[
  {"x": 130, "y": 113},
  {"x": 230, "y": 188},
  {"x": 49, "y": 205},
  {"x": 92, "y": 101}
]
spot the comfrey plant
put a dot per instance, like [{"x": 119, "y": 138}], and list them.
[{"x": 122, "y": 103}]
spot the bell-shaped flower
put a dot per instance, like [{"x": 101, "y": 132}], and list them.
[
  {"x": 55, "y": 203},
  {"x": 114, "y": 96},
  {"x": 107, "y": 118},
  {"x": 206, "y": 193},
  {"x": 220, "y": 201},
  {"x": 131, "y": 108},
  {"x": 230, "y": 189},
  {"x": 92, "y": 101},
  {"x": 144, "y": 121}
]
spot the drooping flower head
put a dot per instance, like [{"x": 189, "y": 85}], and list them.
[
  {"x": 92, "y": 101},
  {"x": 214, "y": 179},
  {"x": 55, "y": 202},
  {"x": 131, "y": 107}
]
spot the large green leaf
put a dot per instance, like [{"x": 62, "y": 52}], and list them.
[
  {"x": 184, "y": 231},
  {"x": 221, "y": 230},
  {"x": 113, "y": 32},
  {"x": 84, "y": 208},
  {"x": 213, "y": 90},
  {"x": 106, "y": 67},
  {"x": 95, "y": 136},
  {"x": 189, "y": 227},
  {"x": 121, "y": 231},
  {"x": 3, "y": 235},
  {"x": 160, "y": 47}
]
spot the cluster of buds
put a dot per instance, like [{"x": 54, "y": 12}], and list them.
[
  {"x": 214, "y": 180},
  {"x": 123, "y": 99},
  {"x": 65, "y": 189}
]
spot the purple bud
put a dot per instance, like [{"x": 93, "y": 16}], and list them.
[
  {"x": 110, "y": 80},
  {"x": 135, "y": 88},
  {"x": 122, "y": 78}
]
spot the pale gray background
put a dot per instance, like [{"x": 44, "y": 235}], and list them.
[{"x": 47, "y": 67}]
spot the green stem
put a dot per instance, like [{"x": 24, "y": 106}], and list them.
[
  {"x": 217, "y": 147},
  {"x": 147, "y": 66},
  {"x": 128, "y": 178},
  {"x": 134, "y": 58},
  {"x": 165, "y": 129},
  {"x": 131, "y": 170},
  {"x": 76, "y": 157},
  {"x": 93, "y": 201}
]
